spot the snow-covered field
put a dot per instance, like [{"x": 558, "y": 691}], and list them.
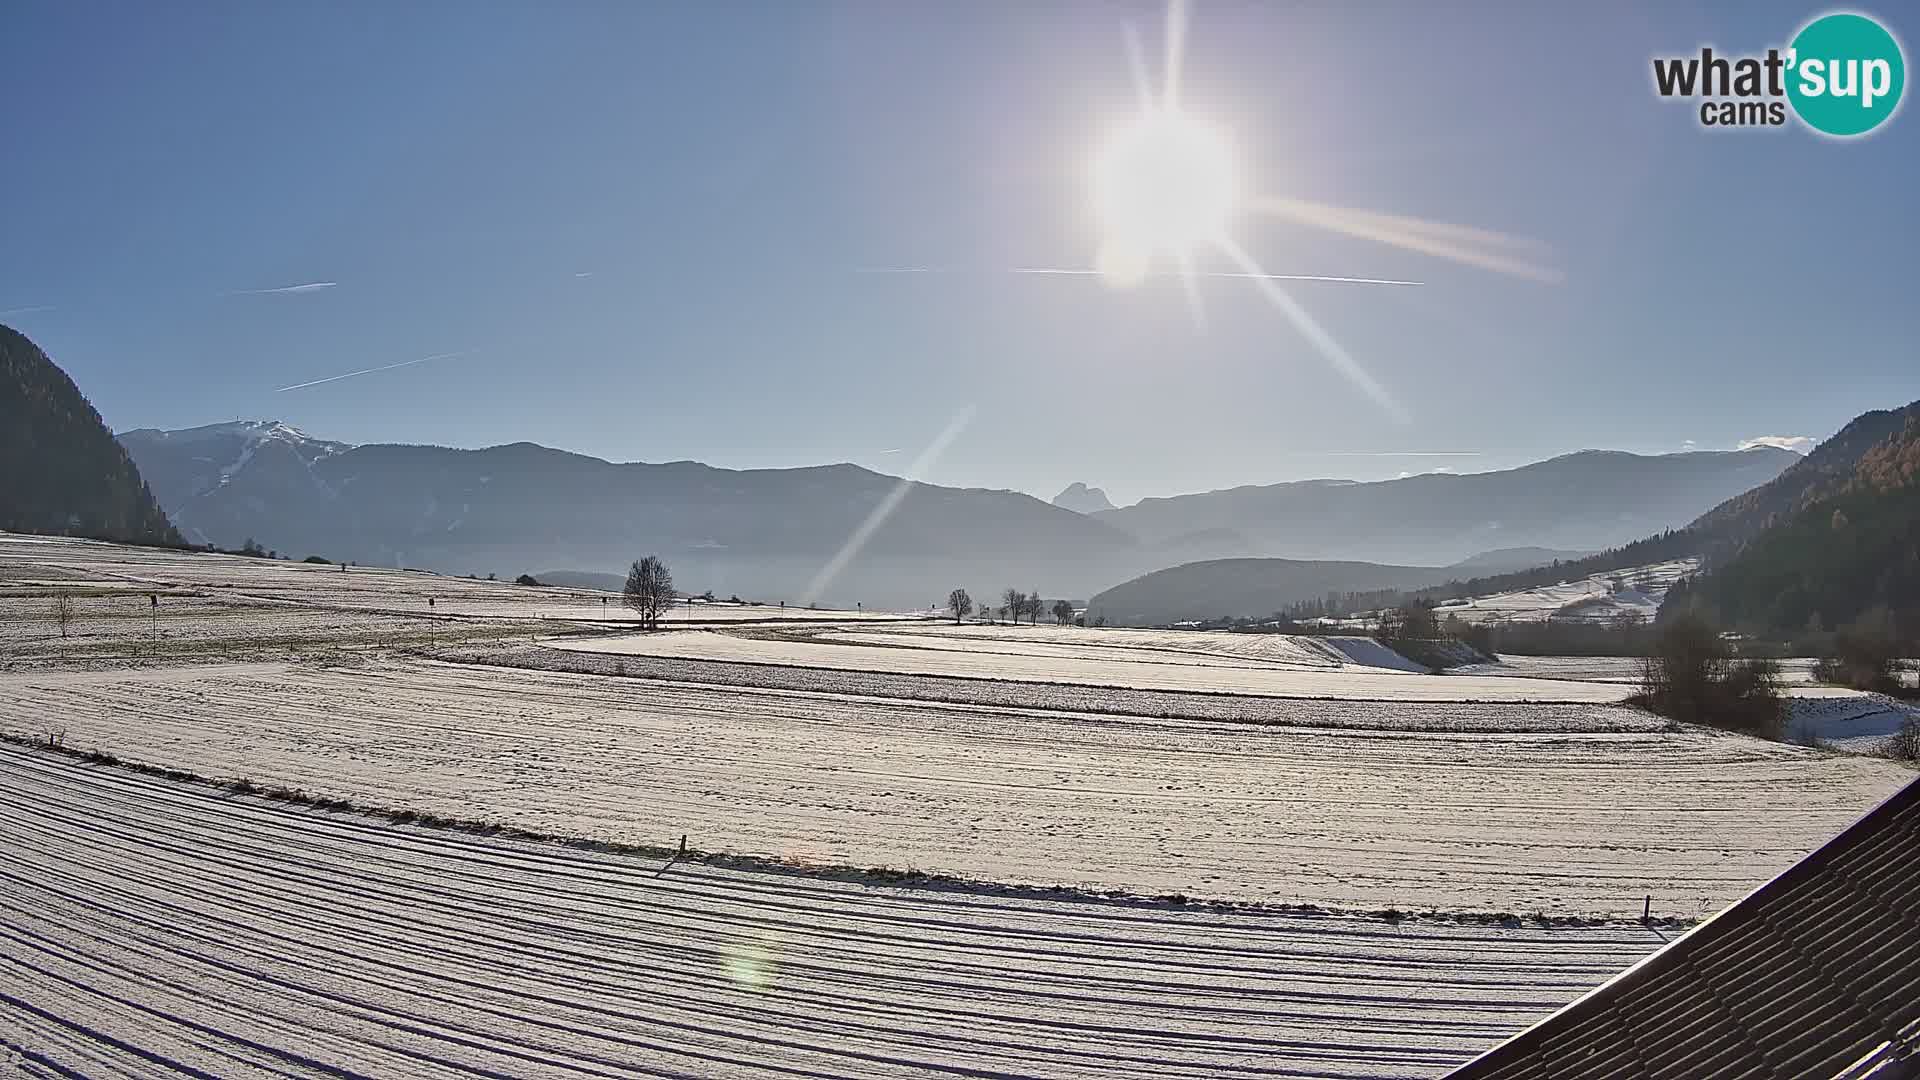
[
  {"x": 1183, "y": 647},
  {"x": 1092, "y": 665},
  {"x": 34, "y": 568},
  {"x": 1794, "y": 671},
  {"x": 1564, "y": 821},
  {"x": 1850, "y": 720},
  {"x": 154, "y": 929}
]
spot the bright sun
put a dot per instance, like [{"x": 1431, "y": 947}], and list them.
[{"x": 1166, "y": 185}]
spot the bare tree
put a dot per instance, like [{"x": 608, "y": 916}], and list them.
[
  {"x": 1013, "y": 604},
  {"x": 1062, "y": 612},
  {"x": 63, "y": 613},
  {"x": 960, "y": 604},
  {"x": 1035, "y": 606},
  {"x": 649, "y": 590}
]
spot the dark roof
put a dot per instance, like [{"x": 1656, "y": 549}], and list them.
[{"x": 1814, "y": 974}]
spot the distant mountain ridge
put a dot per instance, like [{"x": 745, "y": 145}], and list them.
[
  {"x": 1722, "y": 532},
  {"x": 61, "y": 471},
  {"x": 1245, "y": 588},
  {"x": 768, "y": 533},
  {"x": 763, "y": 533},
  {"x": 1260, "y": 587},
  {"x": 1587, "y": 500}
]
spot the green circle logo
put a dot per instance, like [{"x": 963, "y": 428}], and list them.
[{"x": 1845, "y": 74}]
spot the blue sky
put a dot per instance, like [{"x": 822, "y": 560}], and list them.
[{"x": 720, "y": 173}]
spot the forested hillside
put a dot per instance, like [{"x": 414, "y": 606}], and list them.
[
  {"x": 60, "y": 469},
  {"x": 1832, "y": 467},
  {"x": 1850, "y": 549}
]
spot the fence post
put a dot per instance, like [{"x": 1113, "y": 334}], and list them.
[{"x": 1646, "y": 912}]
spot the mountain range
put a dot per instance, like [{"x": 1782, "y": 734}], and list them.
[
  {"x": 761, "y": 533},
  {"x": 1784, "y": 540},
  {"x": 1587, "y": 500},
  {"x": 768, "y": 533},
  {"x": 1833, "y": 536}
]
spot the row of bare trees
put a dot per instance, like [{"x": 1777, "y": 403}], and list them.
[{"x": 1014, "y": 606}]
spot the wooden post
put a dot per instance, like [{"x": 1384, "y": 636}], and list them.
[{"x": 1646, "y": 912}]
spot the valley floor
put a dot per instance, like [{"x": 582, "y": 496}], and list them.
[{"x": 1239, "y": 827}]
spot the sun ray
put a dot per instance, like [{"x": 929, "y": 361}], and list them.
[
  {"x": 1137, "y": 62},
  {"x": 1176, "y": 52},
  {"x": 1465, "y": 244},
  {"x": 1310, "y": 329},
  {"x": 886, "y": 506}
]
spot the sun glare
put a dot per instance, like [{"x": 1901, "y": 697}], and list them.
[
  {"x": 1166, "y": 185},
  {"x": 1167, "y": 190}
]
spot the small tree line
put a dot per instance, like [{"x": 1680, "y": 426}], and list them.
[{"x": 1014, "y": 606}]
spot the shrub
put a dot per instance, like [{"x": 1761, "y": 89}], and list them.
[
  {"x": 1691, "y": 676},
  {"x": 318, "y": 560},
  {"x": 1865, "y": 656},
  {"x": 526, "y": 579},
  {"x": 1904, "y": 745}
]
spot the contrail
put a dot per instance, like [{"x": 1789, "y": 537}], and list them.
[
  {"x": 311, "y": 286},
  {"x": 887, "y": 505},
  {"x": 368, "y": 371},
  {"x": 1072, "y": 272},
  {"x": 1242, "y": 275},
  {"x": 25, "y": 310}
]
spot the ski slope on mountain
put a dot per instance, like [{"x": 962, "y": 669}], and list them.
[{"x": 1592, "y": 598}]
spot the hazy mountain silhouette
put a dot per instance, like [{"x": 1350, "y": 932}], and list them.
[
  {"x": 1246, "y": 588},
  {"x": 767, "y": 533},
  {"x": 762, "y": 533},
  {"x": 1587, "y": 500}
]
